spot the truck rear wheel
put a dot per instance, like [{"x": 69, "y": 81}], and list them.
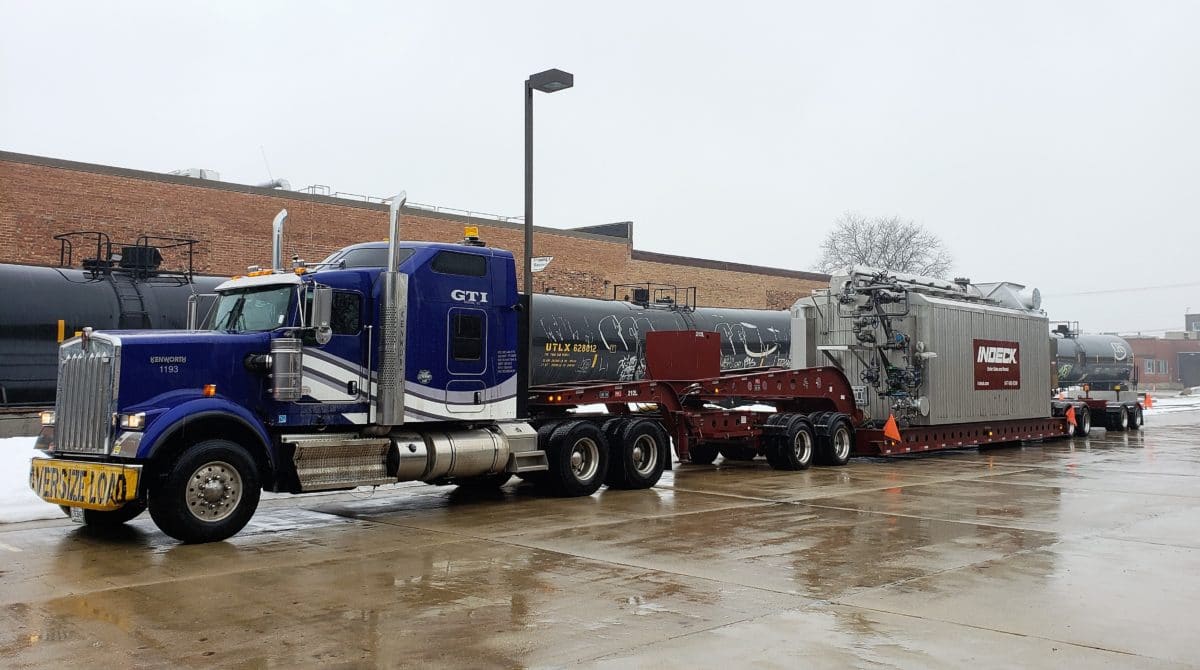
[
  {"x": 1117, "y": 421},
  {"x": 578, "y": 457},
  {"x": 836, "y": 440},
  {"x": 637, "y": 455},
  {"x": 208, "y": 494}
]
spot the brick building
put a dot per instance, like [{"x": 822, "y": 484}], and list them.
[
  {"x": 40, "y": 197},
  {"x": 1158, "y": 358}
]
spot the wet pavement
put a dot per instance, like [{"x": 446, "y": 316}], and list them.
[{"x": 1082, "y": 553}]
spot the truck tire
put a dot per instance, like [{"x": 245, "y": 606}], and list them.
[
  {"x": 637, "y": 456},
  {"x": 703, "y": 453},
  {"x": 208, "y": 494},
  {"x": 94, "y": 518},
  {"x": 578, "y": 458},
  {"x": 836, "y": 440},
  {"x": 1135, "y": 417},
  {"x": 794, "y": 450},
  {"x": 738, "y": 452},
  {"x": 1083, "y": 421}
]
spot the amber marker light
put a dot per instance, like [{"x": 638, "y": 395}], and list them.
[{"x": 210, "y": 390}]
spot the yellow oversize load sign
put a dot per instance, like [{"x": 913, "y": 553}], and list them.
[{"x": 98, "y": 486}]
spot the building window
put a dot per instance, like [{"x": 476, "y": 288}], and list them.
[
  {"x": 466, "y": 343},
  {"x": 1162, "y": 367},
  {"x": 1149, "y": 366}
]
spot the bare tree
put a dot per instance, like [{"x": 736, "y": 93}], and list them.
[{"x": 889, "y": 243}]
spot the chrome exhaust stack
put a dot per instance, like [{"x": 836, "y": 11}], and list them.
[
  {"x": 389, "y": 409},
  {"x": 277, "y": 241}
]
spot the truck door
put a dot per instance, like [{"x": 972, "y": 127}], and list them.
[
  {"x": 334, "y": 371},
  {"x": 466, "y": 359}
]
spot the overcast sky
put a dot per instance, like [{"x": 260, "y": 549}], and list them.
[{"x": 1053, "y": 144}]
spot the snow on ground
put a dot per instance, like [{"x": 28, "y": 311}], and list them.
[
  {"x": 1171, "y": 404},
  {"x": 17, "y": 500}
]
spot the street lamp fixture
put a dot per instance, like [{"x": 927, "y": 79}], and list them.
[{"x": 548, "y": 81}]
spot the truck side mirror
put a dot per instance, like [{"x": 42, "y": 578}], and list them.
[{"x": 319, "y": 316}]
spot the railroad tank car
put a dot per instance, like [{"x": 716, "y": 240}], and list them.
[
  {"x": 1093, "y": 359},
  {"x": 581, "y": 339},
  {"x": 36, "y": 298}
]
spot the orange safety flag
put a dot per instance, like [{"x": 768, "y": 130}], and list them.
[
  {"x": 890, "y": 430},
  {"x": 1071, "y": 415}
]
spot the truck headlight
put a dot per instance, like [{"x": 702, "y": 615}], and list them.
[
  {"x": 133, "y": 421},
  {"x": 48, "y": 417}
]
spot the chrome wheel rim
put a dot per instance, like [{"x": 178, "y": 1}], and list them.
[
  {"x": 1086, "y": 423},
  {"x": 644, "y": 455},
  {"x": 841, "y": 443},
  {"x": 214, "y": 491},
  {"x": 802, "y": 445},
  {"x": 585, "y": 459}
]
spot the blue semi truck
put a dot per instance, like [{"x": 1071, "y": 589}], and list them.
[{"x": 410, "y": 367}]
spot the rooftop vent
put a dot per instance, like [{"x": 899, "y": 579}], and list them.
[{"x": 197, "y": 173}]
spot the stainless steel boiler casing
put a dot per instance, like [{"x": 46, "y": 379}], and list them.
[{"x": 949, "y": 328}]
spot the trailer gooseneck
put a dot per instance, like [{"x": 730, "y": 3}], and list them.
[{"x": 337, "y": 376}]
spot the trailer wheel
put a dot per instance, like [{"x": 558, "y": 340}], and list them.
[
  {"x": 703, "y": 453},
  {"x": 637, "y": 456},
  {"x": 578, "y": 458},
  {"x": 794, "y": 450},
  {"x": 738, "y": 452},
  {"x": 1135, "y": 417},
  {"x": 94, "y": 518},
  {"x": 1083, "y": 421},
  {"x": 836, "y": 440},
  {"x": 1117, "y": 421},
  {"x": 208, "y": 494}
]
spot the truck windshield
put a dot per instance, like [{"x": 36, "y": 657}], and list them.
[{"x": 252, "y": 309}]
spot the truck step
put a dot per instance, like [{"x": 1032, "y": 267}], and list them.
[
  {"x": 332, "y": 462},
  {"x": 527, "y": 461}
]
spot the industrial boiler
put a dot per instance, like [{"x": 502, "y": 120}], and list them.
[{"x": 927, "y": 351}]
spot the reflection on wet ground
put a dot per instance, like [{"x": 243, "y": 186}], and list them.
[{"x": 1080, "y": 553}]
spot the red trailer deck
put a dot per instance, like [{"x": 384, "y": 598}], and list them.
[{"x": 815, "y": 410}]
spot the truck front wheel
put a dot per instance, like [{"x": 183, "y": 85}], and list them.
[{"x": 208, "y": 494}]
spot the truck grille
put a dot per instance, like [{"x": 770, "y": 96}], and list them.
[{"x": 84, "y": 406}]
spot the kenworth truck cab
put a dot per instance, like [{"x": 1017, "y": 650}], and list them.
[{"x": 383, "y": 364}]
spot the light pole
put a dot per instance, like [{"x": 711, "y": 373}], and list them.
[{"x": 546, "y": 82}]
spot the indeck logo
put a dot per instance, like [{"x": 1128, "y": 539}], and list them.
[
  {"x": 458, "y": 295},
  {"x": 1000, "y": 355}
]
